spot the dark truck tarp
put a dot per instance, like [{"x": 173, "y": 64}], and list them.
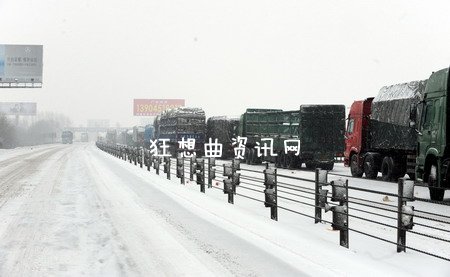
[
  {"x": 322, "y": 128},
  {"x": 389, "y": 120},
  {"x": 223, "y": 129},
  {"x": 183, "y": 121}
]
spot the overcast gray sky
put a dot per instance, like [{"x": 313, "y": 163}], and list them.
[{"x": 223, "y": 56}]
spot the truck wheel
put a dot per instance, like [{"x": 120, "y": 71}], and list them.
[
  {"x": 354, "y": 167},
  {"x": 251, "y": 158},
  {"x": 329, "y": 166},
  {"x": 436, "y": 193},
  {"x": 309, "y": 165},
  {"x": 277, "y": 160},
  {"x": 387, "y": 169},
  {"x": 290, "y": 161},
  {"x": 283, "y": 160},
  {"x": 398, "y": 169},
  {"x": 370, "y": 167}
]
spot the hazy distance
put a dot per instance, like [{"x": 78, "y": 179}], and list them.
[{"x": 223, "y": 56}]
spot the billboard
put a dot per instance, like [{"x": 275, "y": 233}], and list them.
[
  {"x": 18, "y": 108},
  {"x": 20, "y": 63},
  {"x": 151, "y": 107}
]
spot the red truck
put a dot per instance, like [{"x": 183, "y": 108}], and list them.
[{"x": 378, "y": 135}]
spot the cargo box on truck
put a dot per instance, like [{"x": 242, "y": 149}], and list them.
[
  {"x": 223, "y": 129},
  {"x": 67, "y": 137},
  {"x": 379, "y": 138},
  {"x": 179, "y": 123},
  {"x": 403, "y": 130},
  {"x": 320, "y": 129}
]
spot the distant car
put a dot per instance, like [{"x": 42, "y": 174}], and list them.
[
  {"x": 67, "y": 137},
  {"x": 84, "y": 137}
]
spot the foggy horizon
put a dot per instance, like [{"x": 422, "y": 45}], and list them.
[{"x": 221, "y": 56}]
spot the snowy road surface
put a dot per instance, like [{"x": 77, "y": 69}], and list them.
[{"x": 74, "y": 210}]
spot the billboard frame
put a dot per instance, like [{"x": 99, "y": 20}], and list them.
[{"x": 20, "y": 65}]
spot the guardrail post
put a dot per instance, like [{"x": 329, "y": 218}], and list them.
[
  {"x": 192, "y": 168},
  {"x": 271, "y": 199},
  {"x": 200, "y": 173},
  {"x": 405, "y": 213},
  {"x": 183, "y": 181},
  {"x": 211, "y": 171},
  {"x": 228, "y": 182},
  {"x": 156, "y": 163},
  {"x": 401, "y": 234},
  {"x": 180, "y": 168},
  {"x": 339, "y": 194},
  {"x": 167, "y": 167},
  {"x": 321, "y": 179},
  {"x": 343, "y": 233}
]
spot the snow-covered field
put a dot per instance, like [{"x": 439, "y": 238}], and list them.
[{"x": 75, "y": 210}]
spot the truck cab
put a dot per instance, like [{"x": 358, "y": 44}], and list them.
[
  {"x": 356, "y": 135},
  {"x": 433, "y": 154}
]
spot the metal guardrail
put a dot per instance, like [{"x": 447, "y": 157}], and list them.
[{"x": 280, "y": 191}]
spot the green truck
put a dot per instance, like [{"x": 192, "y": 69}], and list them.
[
  {"x": 431, "y": 121},
  {"x": 320, "y": 129}
]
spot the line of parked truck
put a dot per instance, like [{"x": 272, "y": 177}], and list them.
[
  {"x": 320, "y": 128},
  {"x": 403, "y": 130}
]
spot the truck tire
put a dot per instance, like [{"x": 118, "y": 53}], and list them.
[
  {"x": 327, "y": 166},
  {"x": 310, "y": 165},
  {"x": 291, "y": 161},
  {"x": 283, "y": 160},
  {"x": 370, "y": 167},
  {"x": 412, "y": 176},
  {"x": 387, "y": 169},
  {"x": 354, "y": 167},
  {"x": 436, "y": 193},
  {"x": 247, "y": 155},
  {"x": 252, "y": 156},
  {"x": 277, "y": 160}
]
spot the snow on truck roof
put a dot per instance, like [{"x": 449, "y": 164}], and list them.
[
  {"x": 409, "y": 90},
  {"x": 183, "y": 111}
]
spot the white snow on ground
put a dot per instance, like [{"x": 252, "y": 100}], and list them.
[{"x": 75, "y": 210}]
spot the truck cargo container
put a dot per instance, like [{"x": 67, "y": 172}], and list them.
[
  {"x": 111, "y": 136},
  {"x": 223, "y": 129},
  {"x": 320, "y": 129},
  {"x": 138, "y": 136},
  {"x": 67, "y": 137},
  {"x": 179, "y": 123},
  {"x": 148, "y": 135},
  {"x": 390, "y": 134}
]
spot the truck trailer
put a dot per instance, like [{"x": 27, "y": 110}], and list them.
[
  {"x": 67, "y": 137},
  {"x": 223, "y": 129},
  {"x": 176, "y": 124},
  {"x": 138, "y": 136},
  {"x": 148, "y": 135},
  {"x": 403, "y": 130},
  {"x": 320, "y": 129}
]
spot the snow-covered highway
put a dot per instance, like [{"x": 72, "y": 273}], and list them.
[{"x": 75, "y": 210}]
